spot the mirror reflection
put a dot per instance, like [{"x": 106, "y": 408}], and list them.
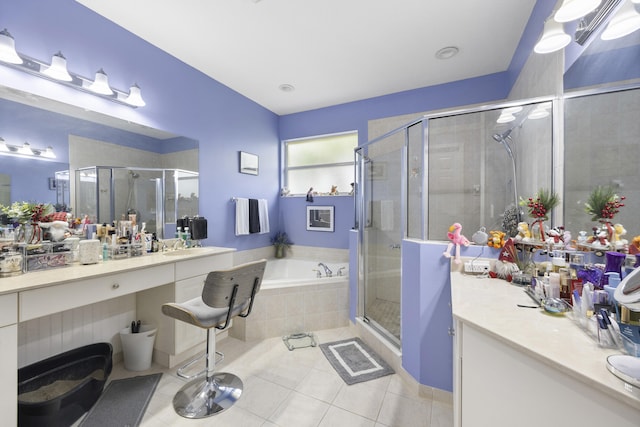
[
  {"x": 482, "y": 163},
  {"x": 83, "y": 139}
]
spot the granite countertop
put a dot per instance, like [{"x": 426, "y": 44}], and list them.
[
  {"x": 54, "y": 276},
  {"x": 491, "y": 305}
]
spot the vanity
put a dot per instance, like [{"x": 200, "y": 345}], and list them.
[
  {"x": 520, "y": 366},
  {"x": 153, "y": 279}
]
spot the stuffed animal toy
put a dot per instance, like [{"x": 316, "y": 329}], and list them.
[
  {"x": 456, "y": 238},
  {"x": 555, "y": 236},
  {"x": 524, "y": 235},
  {"x": 618, "y": 232},
  {"x": 334, "y": 190},
  {"x": 496, "y": 239},
  {"x": 601, "y": 241}
]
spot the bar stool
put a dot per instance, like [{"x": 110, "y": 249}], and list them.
[{"x": 226, "y": 294}]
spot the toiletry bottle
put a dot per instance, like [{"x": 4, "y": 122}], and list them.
[
  {"x": 105, "y": 252},
  {"x": 187, "y": 237},
  {"x": 155, "y": 246}
]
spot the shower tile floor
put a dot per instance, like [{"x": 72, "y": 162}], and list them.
[
  {"x": 298, "y": 388},
  {"x": 386, "y": 314}
]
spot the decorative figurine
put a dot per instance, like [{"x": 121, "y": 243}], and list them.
[
  {"x": 617, "y": 241},
  {"x": 334, "y": 190},
  {"x": 480, "y": 237},
  {"x": 310, "y": 195},
  {"x": 524, "y": 235},
  {"x": 496, "y": 239},
  {"x": 457, "y": 239}
]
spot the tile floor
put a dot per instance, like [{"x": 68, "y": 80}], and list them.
[{"x": 297, "y": 388}]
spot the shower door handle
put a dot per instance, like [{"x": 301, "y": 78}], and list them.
[{"x": 395, "y": 246}]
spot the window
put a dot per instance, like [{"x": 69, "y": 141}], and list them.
[{"x": 320, "y": 162}]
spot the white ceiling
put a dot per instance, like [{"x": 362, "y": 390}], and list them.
[{"x": 331, "y": 51}]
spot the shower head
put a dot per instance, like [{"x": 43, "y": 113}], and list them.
[
  {"x": 502, "y": 139},
  {"x": 502, "y": 136}
]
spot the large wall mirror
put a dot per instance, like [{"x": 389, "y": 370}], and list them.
[
  {"x": 82, "y": 140},
  {"x": 481, "y": 163},
  {"x": 602, "y": 130}
]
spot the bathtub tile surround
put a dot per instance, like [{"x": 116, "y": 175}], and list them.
[
  {"x": 284, "y": 311},
  {"x": 296, "y": 306}
]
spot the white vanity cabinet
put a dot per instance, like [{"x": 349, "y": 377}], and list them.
[
  {"x": 9, "y": 359},
  {"x": 516, "y": 366},
  {"x": 176, "y": 340}
]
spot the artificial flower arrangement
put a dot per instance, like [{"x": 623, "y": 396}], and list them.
[
  {"x": 24, "y": 212},
  {"x": 540, "y": 205},
  {"x": 281, "y": 242},
  {"x": 603, "y": 204}
]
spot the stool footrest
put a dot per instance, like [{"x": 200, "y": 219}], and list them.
[{"x": 181, "y": 370}]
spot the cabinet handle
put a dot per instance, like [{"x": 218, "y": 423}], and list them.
[{"x": 115, "y": 286}]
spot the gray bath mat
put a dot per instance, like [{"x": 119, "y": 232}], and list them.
[
  {"x": 354, "y": 361},
  {"x": 123, "y": 402}
]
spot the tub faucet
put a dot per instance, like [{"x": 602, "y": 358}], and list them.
[{"x": 327, "y": 270}]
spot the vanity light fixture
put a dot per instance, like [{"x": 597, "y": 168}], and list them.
[
  {"x": 100, "y": 84},
  {"x": 57, "y": 72},
  {"x": 540, "y": 112},
  {"x": 553, "y": 37},
  {"x": 574, "y": 9},
  {"x": 25, "y": 150},
  {"x": 505, "y": 118},
  {"x": 8, "y": 48},
  {"x": 591, "y": 15},
  {"x": 58, "y": 68},
  {"x": 624, "y": 22}
]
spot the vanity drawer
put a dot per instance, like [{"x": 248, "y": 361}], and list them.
[
  {"x": 8, "y": 309},
  {"x": 54, "y": 299},
  {"x": 204, "y": 265}
]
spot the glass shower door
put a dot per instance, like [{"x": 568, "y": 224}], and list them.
[{"x": 382, "y": 225}]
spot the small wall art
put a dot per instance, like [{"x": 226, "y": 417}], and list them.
[
  {"x": 249, "y": 163},
  {"x": 320, "y": 218}
]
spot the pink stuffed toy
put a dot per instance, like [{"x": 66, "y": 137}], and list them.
[{"x": 457, "y": 239}]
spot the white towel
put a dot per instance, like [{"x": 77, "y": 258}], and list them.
[
  {"x": 263, "y": 212},
  {"x": 242, "y": 216}
]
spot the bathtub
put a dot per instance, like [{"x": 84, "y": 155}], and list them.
[
  {"x": 293, "y": 299},
  {"x": 289, "y": 272}
]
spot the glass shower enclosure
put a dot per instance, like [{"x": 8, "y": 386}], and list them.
[
  {"x": 157, "y": 196},
  {"x": 467, "y": 166},
  {"x": 390, "y": 180}
]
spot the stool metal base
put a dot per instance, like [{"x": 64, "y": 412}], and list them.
[{"x": 204, "y": 397}]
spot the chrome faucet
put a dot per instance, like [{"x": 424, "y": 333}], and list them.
[
  {"x": 179, "y": 244},
  {"x": 327, "y": 270}
]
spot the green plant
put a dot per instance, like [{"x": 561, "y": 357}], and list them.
[
  {"x": 603, "y": 203},
  {"x": 541, "y": 204},
  {"x": 281, "y": 240},
  {"x": 24, "y": 212}
]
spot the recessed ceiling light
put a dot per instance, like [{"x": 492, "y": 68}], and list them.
[
  {"x": 286, "y": 87},
  {"x": 447, "y": 52}
]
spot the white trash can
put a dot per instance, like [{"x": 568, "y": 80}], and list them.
[{"x": 137, "y": 348}]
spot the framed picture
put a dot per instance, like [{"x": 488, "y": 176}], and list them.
[
  {"x": 320, "y": 218},
  {"x": 248, "y": 163}
]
